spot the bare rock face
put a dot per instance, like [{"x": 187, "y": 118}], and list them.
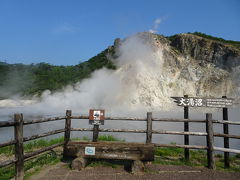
[
  {"x": 205, "y": 50},
  {"x": 155, "y": 68}
]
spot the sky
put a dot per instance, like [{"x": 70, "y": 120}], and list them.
[{"x": 67, "y": 32}]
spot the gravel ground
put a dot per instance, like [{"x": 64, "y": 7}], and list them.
[{"x": 61, "y": 171}]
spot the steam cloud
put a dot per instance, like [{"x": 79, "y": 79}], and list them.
[
  {"x": 143, "y": 82},
  {"x": 157, "y": 22}
]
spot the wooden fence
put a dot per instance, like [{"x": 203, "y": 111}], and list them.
[{"x": 20, "y": 156}]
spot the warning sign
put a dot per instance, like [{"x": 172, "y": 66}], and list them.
[{"x": 96, "y": 116}]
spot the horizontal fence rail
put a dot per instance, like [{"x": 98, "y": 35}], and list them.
[
  {"x": 9, "y": 143},
  {"x": 7, "y": 163},
  {"x": 181, "y": 146},
  {"x": 43, "y": 135},
  {"x": 6, "y": 123},
  {"x": 35, "y": 153},
  {"x": 43, "y": 120},
  {"x": 227, "y": 150},
  {"x": 180, "y": 133}
]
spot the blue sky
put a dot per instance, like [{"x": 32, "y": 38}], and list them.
[{"x": 66, "y": 32}]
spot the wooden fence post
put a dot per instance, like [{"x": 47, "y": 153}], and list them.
[
  {"x": 149, "y": 127},
  {"x": 95, "y": 132},
  {"x": 186, "y": 129},
  {"x": 226, "y": 139},
  {"x": 210, "y": 141},
  {"x": 67, "y": 133},
  {"x": 19, "y": 156}
]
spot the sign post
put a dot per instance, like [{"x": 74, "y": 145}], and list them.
[
  {"x": 226, "y": 139},
  {"x": 96, "y": 118},
  {"x": 186, "y": 129}
]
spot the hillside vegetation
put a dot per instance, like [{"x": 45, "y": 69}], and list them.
[
  {"x": 235, "y": 43},
  {"x": 24, "y": 80}
]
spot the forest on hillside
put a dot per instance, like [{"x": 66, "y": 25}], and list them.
[{"x": 33, "y": 79}]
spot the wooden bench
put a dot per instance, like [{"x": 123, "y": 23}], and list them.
[{"x": 138, "y": 153}]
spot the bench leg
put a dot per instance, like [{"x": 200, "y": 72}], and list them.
[
  {"x": 79, "y": 163},
  {"x": 137, "y": 167}
]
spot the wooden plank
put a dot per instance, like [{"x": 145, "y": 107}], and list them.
[
  {"x": 95, "y": 132},
  {"x": 226, "y": 139},
  {"x": 179, "y": 133},
  {"x": 35, "y": 153},
  {"x": 226, "y": 135},
  {"x": 143, "y": 131},
  {"x": 161, "y": 119},
  {"x": 126, "y": 118},
  {"x": 210, "y": 150},
  {"x": 18, "y": 132},
  {"x": 43, "y": 135},
  {"x": 67, "y": 133},
  {"x": 9, "y": 143},
  {"x": 237, "y": 151},
  {"x": 44, "y": 120},
  {"x": 6, "y": 123},
  {"x": 114, "y": 118},
  {"x": 81, "y": 129},
  {"x": 80, "y": 117},
  {"x": 226, "y": 122},
  {"x": 123, "y": 130},
  {"x": 180, "y": 146},
  {"x": 179, "y": 120},
  {"x": 7, "y": 163},
  {"x": 149, "y": 128},
  {"x": 112, "y": 150},
  {"x": 33, "y": 157},
  {"x": 186, "y": 129}
]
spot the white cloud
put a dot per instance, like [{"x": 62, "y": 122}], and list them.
[
  {"x": 156, "y": 24},
  {"x": 64, "y": 28}
]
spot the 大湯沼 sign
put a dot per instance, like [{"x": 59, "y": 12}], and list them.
[{"x": 203, "y": 102}]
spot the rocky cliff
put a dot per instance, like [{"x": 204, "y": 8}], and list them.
[
  {"x": 162, "y": 67},
  {"x": 223, "y": 55}
]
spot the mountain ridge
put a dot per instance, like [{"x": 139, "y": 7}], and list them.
[{"x": 37, "y": 78}]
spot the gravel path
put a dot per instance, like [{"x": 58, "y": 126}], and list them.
[{"x": 61, "y": 171}]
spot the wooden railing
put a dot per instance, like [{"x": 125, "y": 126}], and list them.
[
  {"x": 20, "y": 156},
  {"x": 18, "y": 141}
]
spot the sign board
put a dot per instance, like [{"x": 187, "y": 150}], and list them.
[
  {"x": 96, "y": 116},
  {"x": 203, "y": 102},
  {"x": 90, "y": 151}
]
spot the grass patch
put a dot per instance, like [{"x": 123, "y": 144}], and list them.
[
  {"x": 175, "y": 156},
  {"x": 32, "y": 166},
  {"x": 30, "y": 146},
  {"x": 108, "y": 137}
]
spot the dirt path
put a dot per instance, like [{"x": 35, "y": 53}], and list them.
[{"x": 61, "y": 171}]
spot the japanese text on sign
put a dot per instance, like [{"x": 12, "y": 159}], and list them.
[{"x": 203, "y": 102}]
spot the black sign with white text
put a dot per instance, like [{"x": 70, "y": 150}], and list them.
[{"x": 203, "y": 102}]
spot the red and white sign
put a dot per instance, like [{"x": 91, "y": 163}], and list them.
[{"x": 96, "y": 116}]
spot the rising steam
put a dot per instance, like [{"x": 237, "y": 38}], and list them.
[{"x": 148, "y": 74}]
